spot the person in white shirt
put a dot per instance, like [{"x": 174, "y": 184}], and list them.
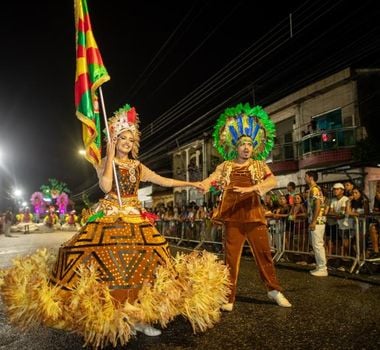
[{"x": 336, "y": 219}]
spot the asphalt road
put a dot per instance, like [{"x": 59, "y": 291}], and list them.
[{"x": 328, "y": 313}]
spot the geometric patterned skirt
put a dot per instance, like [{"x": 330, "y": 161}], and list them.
[
  {"x": 125, "y": 254},
  {"x": 116, "y": 272}
]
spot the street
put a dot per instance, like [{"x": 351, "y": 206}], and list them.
[{"x": 328, "y": 313}]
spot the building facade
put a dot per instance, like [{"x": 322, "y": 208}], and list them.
[{"x": 318, "y": 128}]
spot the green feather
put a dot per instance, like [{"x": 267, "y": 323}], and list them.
[
  {"x": 95, "y": 216},
  {"x": 226, "y": 149}
]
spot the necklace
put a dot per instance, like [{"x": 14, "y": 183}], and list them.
[{"x": 130, "y": 165}]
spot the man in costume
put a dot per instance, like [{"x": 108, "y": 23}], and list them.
[
  {"x": 116, "y": 276},
  {"x": 244, "y": 136}
]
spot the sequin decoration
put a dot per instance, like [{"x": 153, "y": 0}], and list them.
[{"x": 125, "y": 254}]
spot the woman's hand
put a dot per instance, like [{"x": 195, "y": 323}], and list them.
[
  {"x": 111, "y": 148},
  {"x": 198, "y": 185}
]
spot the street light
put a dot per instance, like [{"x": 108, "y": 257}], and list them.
[
  {"x": 82, "y": 152},
  {"x": 17, "y": 192}
]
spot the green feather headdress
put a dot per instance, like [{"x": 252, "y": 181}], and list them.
[{"x": 244, "y": 120}]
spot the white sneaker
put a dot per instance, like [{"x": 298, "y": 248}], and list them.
[
  {"x": 319, "y": 273},
  {"x": 279, "y": 298},
  {"x": 227, "y": 307},
  {"x": 147, "y": 330}
]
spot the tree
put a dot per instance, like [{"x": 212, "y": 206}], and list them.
[{"x": 54, "y": 188}]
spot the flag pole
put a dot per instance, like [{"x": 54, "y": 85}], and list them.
[{"x": 109, "y": 140}]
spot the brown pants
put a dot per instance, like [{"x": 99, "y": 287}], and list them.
[{"x": 257, "y": 236}]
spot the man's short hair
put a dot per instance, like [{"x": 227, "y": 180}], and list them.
[{"x": 313, "y": 174}]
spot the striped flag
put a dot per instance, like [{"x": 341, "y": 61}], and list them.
[{"x": 90, "y": 75}]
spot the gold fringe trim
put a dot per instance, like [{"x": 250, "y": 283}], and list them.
[{"x": 196, "y": 290}]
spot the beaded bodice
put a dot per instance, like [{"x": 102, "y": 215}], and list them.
[{"x": 128, "y": 174}]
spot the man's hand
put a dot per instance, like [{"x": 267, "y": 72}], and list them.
[{"x": 244, "y": 189}]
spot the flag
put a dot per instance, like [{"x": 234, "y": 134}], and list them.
[{"x": 90, "y": 75}]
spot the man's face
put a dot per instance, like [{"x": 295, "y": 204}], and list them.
[
  {"x": 307, "y": 179},
  {"x": 245, "y": 148},
  {"x": 338, "y": 192}
]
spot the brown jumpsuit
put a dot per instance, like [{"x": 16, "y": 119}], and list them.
[{"x": 244, "y": 219}]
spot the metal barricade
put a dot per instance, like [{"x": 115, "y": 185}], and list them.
[
  {"x": 365, "y": 258},
  {"x": 340, "y": 242},
  {"x": 349, "y": 244}
]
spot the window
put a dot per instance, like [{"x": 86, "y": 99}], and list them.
[{"x": 328, "y": 121}]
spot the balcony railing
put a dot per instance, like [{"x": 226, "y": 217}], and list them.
[{"x": 316, "y": 142}]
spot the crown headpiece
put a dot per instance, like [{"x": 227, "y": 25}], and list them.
[
  {"x": 244, "y": 120},
  {"x": 126, "y": 119}
]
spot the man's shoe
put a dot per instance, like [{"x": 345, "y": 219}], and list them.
[
  {"x": 279, "y": 298},
  {"x": 227, "y": 307},
  {"x": 319, "y": 273},
  {"x": 147, "y": 330}
]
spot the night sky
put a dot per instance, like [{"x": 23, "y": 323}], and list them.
[{"x": 179, "y": 63}]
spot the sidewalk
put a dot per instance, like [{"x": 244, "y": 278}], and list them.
[{"x": 23, "y": 244}]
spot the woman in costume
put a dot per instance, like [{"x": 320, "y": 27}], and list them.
[
  {"x": 24, "y": 222},
  {"x": 71, "y": 222},
  {"x": 50, "y": 222},
  {"x": 116, "y": 276}
]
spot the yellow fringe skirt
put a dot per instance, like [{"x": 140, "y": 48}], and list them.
[{"x": 114, "y": 273}]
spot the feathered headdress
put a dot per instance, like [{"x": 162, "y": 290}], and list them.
[
  {"x": 124, "y": 119},
  {"x": 244, "y": 120}
]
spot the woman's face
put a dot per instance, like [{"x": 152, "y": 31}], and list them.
[
  {"x": 297, "y": 199},
  {"x": 282, "y": 200},
  {"x": 356, "y": 194},
  {"x": 125, "y": 142}
]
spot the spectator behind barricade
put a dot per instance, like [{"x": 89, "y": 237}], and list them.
[
  {"x": 305, "y": 194},
  {"x": 374, "y": 238},
  {"x": 335, "y": 214},
  {"x": 268, "y": 204},
  {"x": 348, "y": 188},
  {"x": 357, "y": 206},
  {"x": 280, "y": 214},
  {"x": 374, "y": 225},
  {"x": 376, "y": 202},
  {"x": 283, "y": 208},
  {"x": 169, "y": 222},
  {"x": 297, "y": 224},
  {"x": 169, "y": 214},
  {"x": 177, "y": 214},
  {"x": 291, "y": 188},
  {"x": 297, "y": 211}
]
